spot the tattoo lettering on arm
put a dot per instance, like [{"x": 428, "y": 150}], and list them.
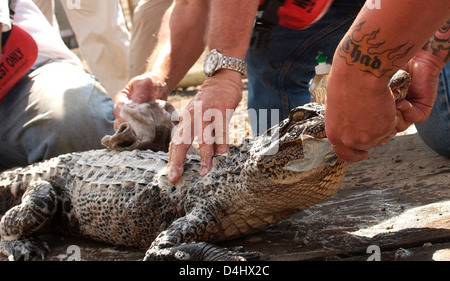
[
  {"x": 439, "y": 44},
  {"x": 365, "y": 51}
]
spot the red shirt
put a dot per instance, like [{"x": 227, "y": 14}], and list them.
[{"x": 300, "y": 14}]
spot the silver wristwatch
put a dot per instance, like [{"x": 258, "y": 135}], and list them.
[{"x": 215, "y": 61}]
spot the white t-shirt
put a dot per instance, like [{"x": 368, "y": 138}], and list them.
[
  {"x": 4, "y": 16},
  {"x": 50, "y": 45}
]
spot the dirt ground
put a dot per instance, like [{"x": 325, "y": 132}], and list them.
[{"x": 393, "y": 206}]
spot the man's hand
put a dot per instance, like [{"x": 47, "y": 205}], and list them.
[
  {"x": 360, "y": 111},
  {"x": 143, "y": 88},
  {"x": 424, "y": 69},
  {"x": 356, "y": 109},
  {"x": 357, "y": 118},
  {"x": 206, "y": 118},
  {"x": 229, "y": 30}
]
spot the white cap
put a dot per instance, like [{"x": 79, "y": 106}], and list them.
[{"x": 323, "y": 68}]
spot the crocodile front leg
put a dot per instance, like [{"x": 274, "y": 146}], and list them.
[
  {"x": 38, "y": 206},
  {"x": 184, "y": 239},
  {"x": 195, "y": 251}
]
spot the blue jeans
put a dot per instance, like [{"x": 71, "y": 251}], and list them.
[
  {"x": 281, "y": 63},
  {"x": 55, "y": 109},
  {"x": 435, "y": 132}
]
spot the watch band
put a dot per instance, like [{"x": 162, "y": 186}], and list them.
[
  {"x": 216, "y": 61},
  {"x": 234, "y": 64}
]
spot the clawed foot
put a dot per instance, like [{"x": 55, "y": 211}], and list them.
[
  {"x": 24, "y": 248},
  {"x": 197, "y": 252}
]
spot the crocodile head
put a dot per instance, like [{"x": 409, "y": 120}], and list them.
[
  {"x": 147, "y": 126},
  {"x": 295, "y": 149}
]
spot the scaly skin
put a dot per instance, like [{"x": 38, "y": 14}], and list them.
[{"x": 124, "y": 198}]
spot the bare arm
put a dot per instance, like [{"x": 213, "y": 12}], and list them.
[
  {"x": 181, "y": 42},
  {"x": 360, "y": 110},
  {"x": 439, "y": 43},
  {"x": 230, "y": 28}
]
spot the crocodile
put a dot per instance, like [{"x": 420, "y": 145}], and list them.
[{"x": 124, "y": 197}]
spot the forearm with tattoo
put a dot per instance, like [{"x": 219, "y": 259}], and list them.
[
  {"x": 439, "y": 43},
  {"x": 368, "y": 53}
]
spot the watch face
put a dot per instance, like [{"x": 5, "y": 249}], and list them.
[{"x": 211, "y": 62}]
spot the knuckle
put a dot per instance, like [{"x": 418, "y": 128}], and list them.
[{"x": 348, "y": 141}]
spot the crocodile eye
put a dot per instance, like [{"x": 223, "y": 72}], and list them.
[
  {"x": 182, "y": 256},
  {"x": 298, "y": 116}
]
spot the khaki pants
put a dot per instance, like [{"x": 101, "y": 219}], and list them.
[
  {"x": 144, "y": 34},
  {"x": 102, "y": 35}
]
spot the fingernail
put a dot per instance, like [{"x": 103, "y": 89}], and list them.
[
  {"x": 204, "y": 170},
  {"x": 204, "y": 166},
  {"x": 173, "y": 173},
  {"x": 220, "y": 151}
]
